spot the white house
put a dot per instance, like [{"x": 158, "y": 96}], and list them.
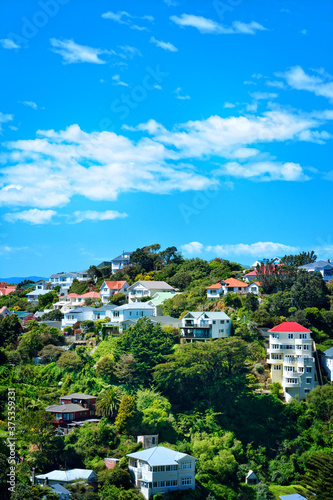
[
  {"x": 84, "y": 313},
  {"x": 291, "y": 359},
  {"x": 254, "y": 287},
  {"x": 142, "y": 289},
  {"x": 327, "y": 363},
  {"x": 205, "y": 325},
  {"x": 325, "y": 268},
  {"x": 230, "y": 285},
  {"x": 33, "y": 296},
  {"x": 134, "y": 310},
  {"x": 159, "y": 470},
  {"x": 4, "y": 311},
  {"x": 41, "y": 285},
  {"x": 65, "y": 280},
  {"x": 109, "y": 288},
  {"x": 120, "y": 262}
]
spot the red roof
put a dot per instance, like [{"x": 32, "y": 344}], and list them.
[
  {"x": 7, "y": 290},
  {"x": 217, "y": 286},
  {"x": 114, "y": 285},
  {"x": 90, "y": 295},
  {"x": 254, "y": 273},
  {"x": 290, "y": 327},
  {"x": 233, "y": 282}
]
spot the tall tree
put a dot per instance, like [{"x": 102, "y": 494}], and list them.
[
  {"x": 108, "y": 402},
  {"x": 317, "y": 481}
]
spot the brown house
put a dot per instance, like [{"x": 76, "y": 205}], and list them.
[{"x": 72, "y": 408}]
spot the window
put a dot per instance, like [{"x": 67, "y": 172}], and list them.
[
  {"x": 174, "y": 482},
  {"x": 167, "y": 483},
  {"x": 277, "y": 367},
  {"x": 168, "y": 468},
  {"x": 275, "y": 346},
  {"x": 221, "y": 330},
  {"x": 186, "y": 481},
  {"x": 301, "y": 369},
  {"x": 153, "y": 441},
  {"x": 291, "y": 380},
  {"x": 155, "y": 484},
  {"x": 309, "y": 380},
  {"x": 303, "y": 335},
  {"x": 290, "y": 335},
  {"x": 162, "y": 484},
  {"x": 222, "y": 322},
  {"x": 275, "y": 335},
  {"x": 308, "y": 369},
  {"x": 174, "y": 467},
  {"x": 306, "y": 391},
  {"x": 116, "y": 314},
  {"x": 276, "y": 356},
  {"x": 299, "y": 347},
  {"x": 214, "y": 322},
  {"x": 159, "y": 468},
  {"x": 289, "y": 368},
  {"x": 186, "y": 465},
  {"x": 306, "y": 347}
]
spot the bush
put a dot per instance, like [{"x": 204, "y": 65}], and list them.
[{"x": 259, "y": 367}]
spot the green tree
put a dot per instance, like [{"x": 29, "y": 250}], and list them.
[
  {"x": 310, "y": 290},
  {"x": 70, "y": 361},
  {"x": 55, "y": 315},
  {"x": 50, "y": 353},
  {"x": 301, "y": 259},
  {"x": 126, "y": 369},
  {"x": 108, "y": 402},
  {"x": 118, "y": 299},
  {"x": 318, "y": 478},
  {"x": 10, "y": 329},
  {"x": 128, "y": 417},
  {"x": 45, "y": 301},
  {"x": 105, "y": 369},
  {"x": 250, "y": 301}
]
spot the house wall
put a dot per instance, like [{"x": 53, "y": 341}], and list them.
[{"x": 327, "y": 364}]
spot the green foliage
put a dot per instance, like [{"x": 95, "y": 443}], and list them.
[
  {"x": 301, "y": 259},
  {"x": 105, "y": 369},
  {"x": 45, "y": 301},
  {"x": 79, "y": 287},
  {"x": 70, "y": 361},
  {"x": 118, "y": 299},
  {"x": 55, "y": 315},
  {"x": 108, "y": 402},
  {"x": 310, "y": 290},
  {"x": 175, "y": 306},
  {"x": 50, "y": 353},
  {"x": 318, "y": 478},
  {"x": 263, "y": 492},
  {"x": 128, "y": 417},
  {"x": 232, "y": 300},
  {"x": 250, "y": 301},
  {"x": 10, "y": 328},
  {"x": 38, "y": 336}
]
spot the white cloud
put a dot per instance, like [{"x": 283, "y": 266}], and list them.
[
  {"x": 30, "y": 104},
  {"x": 72, "y": 52},
  {"x": 49, "y": 170},
  {"x": 4, "y": 119},
  {"x": 117, "y": 81},
  {"x": 259, "y": 249},
  {"x": 304, "y": 32},
  {"x": 33, "y": 216},
  {"x": 9, "y": 44},
  {"x": 93, "y": 215},
  {"x": 192, "y": 248},
  {"x": 229, "y": 105},
  {"x": 205, "y": 25},
  {"x": 259, "y": 96},
  {"x": 163, "y": 45},
  {"x": 128, "y": 52},
  {"x": 275, "y": 83},
  {"x": 178, "y": 95},
  {"x": 264, "y": 171},
  {"x": 123, "y": 17},
  {"x": 297, "y": 79}
]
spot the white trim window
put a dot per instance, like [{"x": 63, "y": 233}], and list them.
[
  {"x": 186, "y": 481},
  {"x": 186, "y": 465}
]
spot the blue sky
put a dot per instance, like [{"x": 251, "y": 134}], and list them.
[{"x": 205, "y": 125}]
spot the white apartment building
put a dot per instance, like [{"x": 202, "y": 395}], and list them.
[
  {"x": 159, "y": 470},
  {"x": 65, "y": 280},
  {"x": 292, "y": 360},
  {"x": 120, "y": 262},
  {"x": 205, "y": 325}
]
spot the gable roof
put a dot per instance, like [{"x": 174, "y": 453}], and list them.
[
  {"x": 216, "y": 286},
  {"x": 68, "y": 475},
  {"x": 153, "y": 285},
  {"x": 233, "y": 282},
  {"x": 206, "y": 314},
  {"x": 65, "y": 408},
  {"x": 159, "y": 455},
  {"x": 254, "y": 272},
  {"x": 4, "y": 309},
  {"x": 290, "y": 327},
  {"x": 114, "y": 285},
  {"x": 122, "y": 257},
  {"x": 329, "y": 352},
  {"x": 78, "y": 395},
  {"x": 90, "y": 295},
  {"x": 319, "y": 264},
  {"x": 134, "y": 306},
  {"x": 160, "y": 297}
]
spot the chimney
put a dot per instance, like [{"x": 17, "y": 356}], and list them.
[
  {"x": 46, "y": 483},
  {"x": 33, "y": 476}
]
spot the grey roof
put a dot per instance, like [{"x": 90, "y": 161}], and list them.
[
  {"x": 209, "y": 315},
  {"x": 329, "y": 352},
  {"x": 69, "y": 475},
  {"x": 293, "y": 496},
  {"x": 134, "y": 305},
  {"x": 319, "y": 264},
  {"x": 106, "y": 307},
  {"x": 250, "y": 474},
  {"x": 154, "y": 285},
  {"x": 159, "y": 455},
  {"x": 78, "y": 395},
  {"x": 38, "y": 292},
  {"x": 166, "y": 319},
  {"x": 66, "y": 408},
  {"x": 121, "y": 257},
  {"x": 59, "y": 489}
]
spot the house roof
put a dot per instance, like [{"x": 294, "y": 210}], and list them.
[
  {"x": 59, "y": 489},
  {"x": 68, "y": 475},
  {"x": 160, "y": 297},
  {"x": 153, "y": 285},
  {"x": 255, "y": 283},
  {"x": 38, "y": 292},
  {"x": 319, "y": 264},
  {"x": 293, "y": 496},
  {"x": 209, "y": 315},
  {"x": 114, "y": 285},
  {"x": 159, "y": 455},
  {"x": 134, "y": 306},
  {"x": 78, "y": 395},
  {"x": 250, "y": 474},
  {"x": 233, "y": 282},
  {"x": 66, "y": 408},
  {"x": 90, "y": 295},
  {"x": 7, "y": 290},
  {"x": 3, "y": 309},
  {"x": 290, "y": 327},
  {"x": 121, "y": 257},
  {"x": 329, "y": 352},
  {"x": 216, "y": 286},
  {"x": 107, "y": 307},
  {"x": 254, "y": 272}
]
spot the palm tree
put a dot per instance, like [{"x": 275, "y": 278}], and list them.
[{"x": 108, "y": 402}]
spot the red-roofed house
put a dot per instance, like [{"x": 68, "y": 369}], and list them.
[
  {"x": 4, "y": 311},
  {"x": 252, "y": 276},
  {"x": 225, "y": 286},
  {"x": 6, "y": 290},
  {"x": 291, "y": 357},
  {"x": 109, "y": 288}
]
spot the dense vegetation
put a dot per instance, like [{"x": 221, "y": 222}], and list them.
[{"x": 205, "y": 399}]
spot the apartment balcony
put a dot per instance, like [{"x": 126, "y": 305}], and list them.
[
  {"x": 289, "y": 360},
  {"x": 291, "y": 382},
  {"x": 192, "y": 333},
  {"x": 272, "y": 361},
  {"x": 276, "y": 350}
]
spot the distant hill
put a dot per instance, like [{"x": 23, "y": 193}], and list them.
[{"x": 18, "y": 279}]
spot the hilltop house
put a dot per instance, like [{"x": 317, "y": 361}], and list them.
[
  {"x": 325, "y": 268},
  {"x": 41, "y": 285},
  {"x": 292, "y": 360},
  {"x": 74, "y": 407},
  {"x": 231, "y": 285},
  {"x": 109, "y": 288},
  {"x": 120, "y": 262},
  {"x": 205, "y": 325},
  {"x": 142, "y": 289},
  {"x": 159, "y": 470},
  {"x": 134, "y": 310},
  {"x": 34, "y": 295},
  {"x": 327, "y": 363},
  {"x": 65, "y": 280},
  {"x": 78, "y": 314}
]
